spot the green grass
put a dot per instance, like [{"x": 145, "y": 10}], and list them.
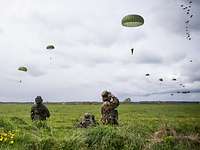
[{"x": 137, "y": 126}]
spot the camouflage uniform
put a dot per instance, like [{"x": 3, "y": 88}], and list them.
[
  {"x": 39, "y": 111},
  {"x": 87, "y": 121},
  {"x": 109, "y": 114}
]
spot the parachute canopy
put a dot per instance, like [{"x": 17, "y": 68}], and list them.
[
  {"x": 50, "y": 47},
  {"x": 23, "y": 69},
  {"x": 132, "y": 21}
]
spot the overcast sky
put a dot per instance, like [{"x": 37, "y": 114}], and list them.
[{"x": 92, "y": 50}]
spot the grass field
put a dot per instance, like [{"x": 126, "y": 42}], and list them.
[{"x": 141, "y": 126}]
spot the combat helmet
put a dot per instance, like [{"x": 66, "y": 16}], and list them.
[
  {"x": 87, "y": 115},
  {"x": 105, "y": 93},
  {"x": 38, "y": 100}
]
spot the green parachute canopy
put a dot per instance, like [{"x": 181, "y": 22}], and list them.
[
  {"x": 132, "y": 21},
  {"x": 23, "y": 69},
  {"x": 50, "y": 47}
]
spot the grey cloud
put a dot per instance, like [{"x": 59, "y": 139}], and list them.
[
  {"x": 36, "y": 71},
  {"x": 173, "y": 91},
  {"x": 173, "y": 18},
  {"x": 195, "y": 22},
  {"x": 137, "y": 94},
  {"x": 93, "y": 49},
  {"x": 144, "y": 56},
  {"x": 150, "y": 58},
  {"x": 191, "y": 71}
]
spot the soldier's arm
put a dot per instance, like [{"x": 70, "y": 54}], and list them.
[
  {"x": 32, "y": 113},
  {"x": 114, "y": 101},
  {"x": 47, "y": 111}
]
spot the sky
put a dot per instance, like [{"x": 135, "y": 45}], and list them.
[{"x": 93, "y": 50}]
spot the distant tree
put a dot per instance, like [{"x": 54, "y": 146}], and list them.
[{"x": 127, "y": 100}]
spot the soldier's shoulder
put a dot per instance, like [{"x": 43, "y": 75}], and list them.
[
  {"x": 34, "y": 106},
  {"x": 43, "y": 106}
]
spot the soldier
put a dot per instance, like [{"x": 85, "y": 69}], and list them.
[
  {"x": 39, "y": 111},
  {"x": 109, "y": 114},
  {"x": 87, "y": 121}
]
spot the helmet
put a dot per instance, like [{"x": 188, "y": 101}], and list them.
[
  {"x": 105, "y": 93},
  {"x": 38, "y": 99},
  {"x": 87, "y": 115}
]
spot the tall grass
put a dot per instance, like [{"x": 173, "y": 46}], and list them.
[{"x": 136, "y": 131}]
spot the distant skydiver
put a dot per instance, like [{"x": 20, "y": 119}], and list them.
[{"x": 132, "y": 49}]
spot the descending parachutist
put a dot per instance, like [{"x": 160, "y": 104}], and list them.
[{"x": 132, "y": 51}]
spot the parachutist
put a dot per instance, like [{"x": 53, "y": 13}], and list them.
[{"x": 132, "y": 49}]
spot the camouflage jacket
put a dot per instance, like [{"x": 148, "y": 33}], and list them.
[{"x": 39, "y": 112}]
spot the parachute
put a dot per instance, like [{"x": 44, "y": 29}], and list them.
[
  {"x": 50, "y": 47},
  {"x": 147, "y": 74},
  {"x": 132, "y": 21},
  {"x": 23, "y": 69}
]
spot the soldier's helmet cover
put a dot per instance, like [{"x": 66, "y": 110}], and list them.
[
  {"x": 38, "y": 100},
  {"x": 105, "y": 93},
  {"x": 87, "y": 115}
]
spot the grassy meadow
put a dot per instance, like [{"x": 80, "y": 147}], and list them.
[{"x": 141, "y": 126}]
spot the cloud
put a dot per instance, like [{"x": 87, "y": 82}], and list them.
[
  {"x": 191, "y": 71},
  {"x": 35, "y": 71},
  {"x": 92, "y": 49}
]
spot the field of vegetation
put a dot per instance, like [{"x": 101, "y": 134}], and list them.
[{"x": 141, "y": 127}]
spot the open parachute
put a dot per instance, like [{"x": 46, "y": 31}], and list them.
[
  {"x": 23, "y": 69},
  {"x": 50, "y": 47},
  {"x": 132, "y": 21}
]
